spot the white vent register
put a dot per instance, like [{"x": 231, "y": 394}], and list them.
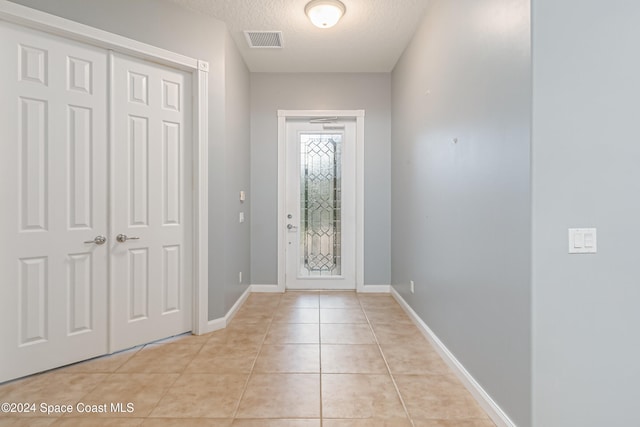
[{"x": 264, "y": 39}]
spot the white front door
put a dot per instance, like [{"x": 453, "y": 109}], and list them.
[
  {"x": 151, "y": 285},
  {"x": 53, "y": 190},
  {"x": 320, "y": 204}
]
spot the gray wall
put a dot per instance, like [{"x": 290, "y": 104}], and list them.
[
  {"x": 235, "y": 243},
  {"x": 461, "y": 211},
  {"x": 164, "y": 24},
  {"x": 586, "y": 321},
  {"x": 309, "y": 91}
]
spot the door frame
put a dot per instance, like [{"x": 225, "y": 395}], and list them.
[
  {"x": 283, "y": 116},
  {"x": 38, "y": 20}
]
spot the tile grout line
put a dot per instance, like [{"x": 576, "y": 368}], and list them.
[
  {"x": 253, "y": 365},
  {"x": 393, "y": 380},
  {"x": 169, "y": 387}
]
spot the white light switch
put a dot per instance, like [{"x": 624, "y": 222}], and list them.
[
  {"x": 588, "y": 240},
  {"x": 578, "y": 240},
  {"x": 242, "y": 196},
  {"x": 582, "y": 241},
  {"x": 241, "y": 217}
]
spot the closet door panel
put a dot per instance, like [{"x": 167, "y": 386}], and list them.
[
  {"x": 151, "y": 201},
  {"x": 53, "y": 187}
]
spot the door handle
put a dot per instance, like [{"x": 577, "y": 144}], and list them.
[
  {"x": 291, "y": 227},
  {"x": 99, "y": 240},
  {"x": 123, "y": 238}
]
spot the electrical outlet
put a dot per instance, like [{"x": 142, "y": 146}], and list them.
[
  {"x": 413, "y": 289},
  {"x": 240, "y": 277}
]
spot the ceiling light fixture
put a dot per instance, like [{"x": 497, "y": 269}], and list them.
[{"x": 325, "y": 13}]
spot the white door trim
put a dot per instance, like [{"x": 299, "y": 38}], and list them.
[
  {"x": 31, "y": 18},
  {"x": 358, "y": 115}
]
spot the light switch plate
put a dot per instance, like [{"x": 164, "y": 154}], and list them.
[{"x": 582, "y": 241}]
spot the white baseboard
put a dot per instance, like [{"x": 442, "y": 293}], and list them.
[
  {"x": 378, "y": 289},
  {"x": 480, "y": 395},
  {"x": 375, "y": 289},
  {"x": 222, "y": 322},
  {"x": 266, "y": 289},
  {"x": 215, "y": 324}
]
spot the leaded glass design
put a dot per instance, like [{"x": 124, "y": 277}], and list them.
[{"x": 320, "y": 204}]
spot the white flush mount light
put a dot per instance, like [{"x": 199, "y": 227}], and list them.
[{"x": 325, "y": 13}]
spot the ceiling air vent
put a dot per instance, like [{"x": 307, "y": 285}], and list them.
[{"x": 264, "y": 39}]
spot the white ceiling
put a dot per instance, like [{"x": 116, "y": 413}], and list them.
[{"x": 369, "y": 38}]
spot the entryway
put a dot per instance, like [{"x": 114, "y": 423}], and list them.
[{"x": 336, "y": 358}]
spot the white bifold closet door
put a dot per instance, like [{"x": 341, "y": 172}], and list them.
[
  {"x": 54, "y": 199},
  {"x": 151, "y": 271},
  {"x": 69, "y": 289}
]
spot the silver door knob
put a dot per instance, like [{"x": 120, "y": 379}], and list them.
[
  {"x": 291, "y": 227},
  {"x": 99, "y": 240},
  {"x": 123, "y": 238}
]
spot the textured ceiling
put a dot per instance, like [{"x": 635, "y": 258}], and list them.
[{"x": 369, "y": 38}]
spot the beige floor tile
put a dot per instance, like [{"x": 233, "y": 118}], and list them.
[
  {"x": 262, "y": 300},
  {"x": 370, "y": 422},
  {"x": 377, "y": 300},
  {"x": 300, "y": 300},
  {"x": 393, "y": 334},
  {"x": 342, "y": 315},
  {"x": 56, "y": 388},
  {"x": 352, "y": 359},
  {"x": 381, "y": 304},
  {"x": 97, "y": 422},
  {"x": 394, "y": 316},
  {"x": 258, "y": 307},
  {"x": 257, "y": 314},
  {"x": 289, "y": 358},
  {"x": 296, "y": 315},
  {"x": 350, "y": 333},
  {"x": 202, "y": 396},
  {"x": 460, "y": 422},
  {"x": 446, "y": 408},
  {"x": 417, "y": 358},
  {"x": 213, "y": 347},
  {"x": 264, "y": 369},
  {"x": 103, "y": 364},
  {"x": 224, "y": 358},
  {"x": 276, "y": 423},
  {"x": 281, "y": 396},
  {"x": 239, "y": 334},
  {"x": 187, "y": 338},
  {"x": 433, "y": 385},
  {"x": 360, "y": 396},
  {"x": 162, "y": 349},
  {"x": 293, "y": 333},
  {"x": 339, "y": 300},
  {"x": 171, "y": 358},
  {"x": 142, "y": 390},
  {"x": 186, "y": 422},
  {"x": 437, "y": 397},
  {"x": 23, "y": 421}
]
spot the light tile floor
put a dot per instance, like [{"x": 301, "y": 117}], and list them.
[{"x": 307, "y": 359}]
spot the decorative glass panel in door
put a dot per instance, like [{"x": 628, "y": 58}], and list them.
[{"x": 320, "y": 204}]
